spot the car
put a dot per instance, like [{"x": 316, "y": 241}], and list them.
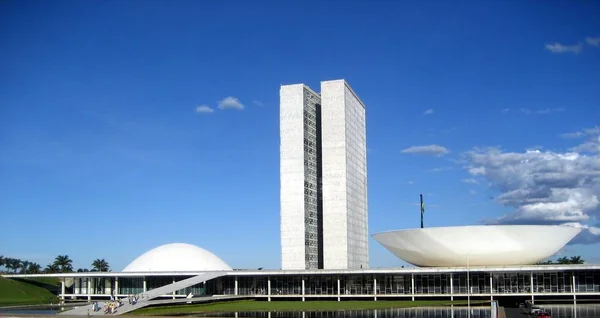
[
  {"x": 530, "y": 308},
  {"x": 542, "y": 314}
]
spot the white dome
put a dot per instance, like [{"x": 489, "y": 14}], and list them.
[
  {"x": 177, "y": 257},
  {"x": 484, "y": 245}
]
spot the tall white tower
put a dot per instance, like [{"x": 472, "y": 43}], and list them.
[
  {"x": 323, "y": 176},
  {"x": 345, "y": 216}
]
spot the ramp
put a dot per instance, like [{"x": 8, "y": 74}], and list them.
[{"x": 144, "y": 299}]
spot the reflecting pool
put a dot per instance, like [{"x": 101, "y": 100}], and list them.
[
  {"x": 556, "y": 311},
  {"x": 441, "y": 312},
  {"x": 573, "y": 311},
  {"x": 35, "y": 311}
]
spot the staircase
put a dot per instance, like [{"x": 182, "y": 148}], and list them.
[{"x": 144, "y": 299}]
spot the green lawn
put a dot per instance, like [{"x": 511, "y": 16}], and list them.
[
  {"x": 45, "y": 280},
  {"x": 252, "y": 305},
  {"x": 14, "y": 293}
]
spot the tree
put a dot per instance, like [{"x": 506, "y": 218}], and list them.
[
  {"x": 12, "y": 264},
  {"x": 577, "y": 260},
  {"x": 25, "y": 266},
  {"x": 548, "y": 262},
  {"x": 64, "y": 263},
  {"x": 34, "y": 268},
  {"x": 6, "y": 263},
  {"x": 52, "y": 268},
  {"x": 563, "y": 261},
  {"x": 100, "y": 265}
]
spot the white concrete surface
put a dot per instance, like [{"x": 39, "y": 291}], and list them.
[
  {"x": 482, "y": 245},
  {"x": 342, "y": 242},
  {"x": 178, "y": 257},
  {"x": 146, "y": 297},
  {"x": 297, "y": 175},
  {"x": 345, "y": 217}
]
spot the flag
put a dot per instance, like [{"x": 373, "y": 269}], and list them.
[{"x": 422, "y": 205}]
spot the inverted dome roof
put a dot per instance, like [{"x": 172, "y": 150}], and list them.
[
  {"x": 481, "y": 245},
  {"x": 177, "y": 257}
]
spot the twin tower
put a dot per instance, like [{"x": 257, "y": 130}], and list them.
[{"x": 323, "y": 175}]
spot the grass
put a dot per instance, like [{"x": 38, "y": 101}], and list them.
[
  {"x": 44, "y": 280},
  {"x": 252, "y": 305},
  {"x": 14, "y": 293}
]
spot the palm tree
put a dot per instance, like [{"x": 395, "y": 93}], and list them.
[
  {"x": 13, "y": 263},
  {"x": 64, "y": 263},
  {"x": 25, "y": 266},
  {"x": 2, "y": 262},
  {"x": 52, "y": 268},
  {"x": 8, "y": 264},
  {"x": 100, "y": 265},
  {"x": 544, "y": 262},
  {"x": 563, "y": 260},
  {"x": 577, "y": 260},
  {"x": 34, "y": 268}
]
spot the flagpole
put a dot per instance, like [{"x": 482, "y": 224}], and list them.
[{"x": 422, "y": 210}]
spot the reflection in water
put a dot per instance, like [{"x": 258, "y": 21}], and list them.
[
  {"x": 28, "y": 311},
  {"x": 556, "y": 311},
  {"x": 573, "y": 311},
  {"x": 442, "y": 312}
]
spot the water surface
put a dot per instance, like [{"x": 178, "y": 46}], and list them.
[
  {"x": 42, "y": 311},
  {"x": 441, "y": 312},
  {"x": 573, "y": 311},
  {"x": 556, "y": 311}
]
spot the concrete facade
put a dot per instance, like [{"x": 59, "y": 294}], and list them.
[
  {"x": 535, "y": 282},
  {"x": 477, "y": 245},
  {"x": 323, "y": 177},
  {"x": 301, "y": 246},
  {"x": 345, "y": 219}
]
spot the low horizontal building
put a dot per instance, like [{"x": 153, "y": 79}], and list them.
[{"x": 189, "y": 271}]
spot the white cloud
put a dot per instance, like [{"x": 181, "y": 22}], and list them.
[
  {"x": 440, "y": 169},
  {"x": 477, "y": 171},
  {"x": 428, "y": 112},
  {"x": 592, "y": 143},
  {"x": 591, "y": 146},
  {"x": 536, "y": 147},
  {"x": 472, "y": 192},
  {"x": 411, "y": 182},
  {"x": 543, "y": 187},
  {"x": 470, "y": 181},
  {"x": 258, "y": 103},
  {"x": 427, "y": 150},
  {"x": 204, "y": 109},
  {"x": 505, "y": 110},
  {"x": 543, "y": 111},
  {"x": 583, "y": 132},
  {"x": 593, "y": 41},
  {"x": 560, "y": 48},
  {"x": 230, "y": 102}
]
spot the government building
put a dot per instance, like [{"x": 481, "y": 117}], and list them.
[
  {"x": 183, "y": 273},
  {"x": 323, "y": 178},
  {"x": 324, "y": 238}
]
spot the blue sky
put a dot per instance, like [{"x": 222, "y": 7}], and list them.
[{"x": 107, "y": 150}]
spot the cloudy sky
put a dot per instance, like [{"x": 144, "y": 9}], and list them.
[{"x": 125, "y": 125}]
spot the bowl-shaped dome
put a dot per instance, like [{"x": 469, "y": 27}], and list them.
[
  {"x": 177, "y": 257},
  {"x": 485, "y": 245}
]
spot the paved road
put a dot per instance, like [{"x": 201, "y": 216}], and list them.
[{"x": 514, "y": 313}]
